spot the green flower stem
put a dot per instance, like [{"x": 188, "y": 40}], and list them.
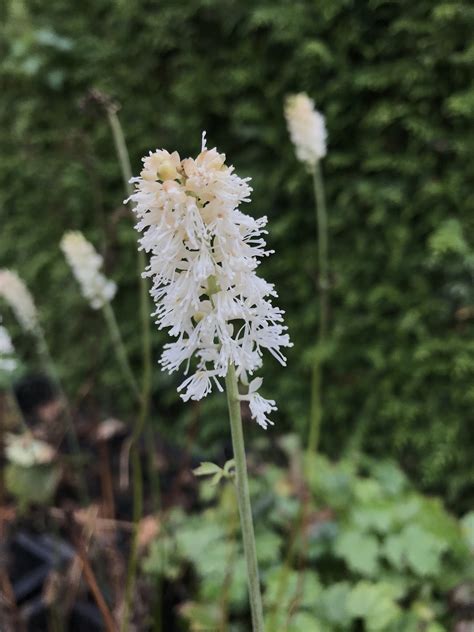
[
  {"x": 124, "y": 160},
  {"x": 243, "y": 496},
  {"x": 50, "y": 367},
  {"x": 145, "y": 310},
  {"x": 117, "y": 342},
  {"x": 316, "y": 410},
  {"x": 133, "y": 555},
  {"x": 323, "y": 259},
  {"x": 121, "y": 148}
]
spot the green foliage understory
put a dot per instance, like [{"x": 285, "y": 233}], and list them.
[
  {"x": 372, "y": 550},
  {"x": 394, "y": 81}
]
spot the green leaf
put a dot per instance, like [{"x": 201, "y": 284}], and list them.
[
  {"x": 394, "y": 550},
  {"x": 305, "y": 622},
  {"x": 467, "y": 525},
  {"x": 448, "y": 238},
  {"x": 162, "y": 559},
  {"x": 204, "y": 543},
  {"x": 422, "y": 550},
  {"x": 359, "y": 551},
  {"x": 416, "y": 548},
  {"x": 435, "y": 627},
  {"x": 35, "y": 484},
  {"x": 206, "y": 469},
  {"x": 331, "y": 604},
  {"x": 378, "y": 517},
  {"x": 331, "y": 483},
  {"x": 374, "y": 604},
  {"x": 275, "y": 580},
  {"x": 217, "y": 477},
  {"x": 311, "y": 589},
  {"x": 201, "y": 616},
  {"x": 390, "y": 476},
  {"x": 268, "y": 546}
]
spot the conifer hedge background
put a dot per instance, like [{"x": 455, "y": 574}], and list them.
[{"x": 394, "y": 80}]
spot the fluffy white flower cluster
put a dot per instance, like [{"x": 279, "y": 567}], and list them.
[
  {"x": 86, "y": 263},
  {"x": 7, "y": 361},
  {"x": 204, "y": 256},
  {"x": 16, "y": 294},
  {"x": 307, "y": 128}
]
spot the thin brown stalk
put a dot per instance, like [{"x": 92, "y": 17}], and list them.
[
  {"x": 106, "y": 481},
  {"x": 89, "y": 576}
]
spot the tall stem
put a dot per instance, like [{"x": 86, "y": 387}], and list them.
[
  {"x": 243, "y": 496},
  {"x": 145, "y": 310},
  {"x": 323, "y": 259},
  {"x": 124, "y": 160},
  {"x": 117, "y": 342},
  {"x": 316, "y": 411},
  {"x": 121, "y": 147},
  {"x": 133, "y": 555}
]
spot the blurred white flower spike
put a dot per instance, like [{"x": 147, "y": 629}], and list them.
[
  {"x": 16, "y": 294},
  {"x": 204, "y": 256},
  {"x": 307, "y": 128},
  {"x": 7, "y": 359},
  {"x": 86, "y": 264}
]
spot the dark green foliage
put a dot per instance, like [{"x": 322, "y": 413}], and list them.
[{"x": 394, "y": 80}]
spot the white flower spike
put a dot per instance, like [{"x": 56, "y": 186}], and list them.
[
  {"x": 16, "y": 294},
  {"x": 204, "y": 257},
  {"x": 307, "y": 128},
  {"x": 7, "y": 360},
  {"x": 86, "y": 263}
]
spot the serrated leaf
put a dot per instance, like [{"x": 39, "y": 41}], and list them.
[
  {"x": 374, "y": 604},
  {"x": 467, "y": 525},
  {"x": 389, "y": 475},
  {"x": 422, "y": 550},
  {"x": 311, "y": 589},
  {"x": 394, "y": 551},
  {"x": 359, "y": 551},
  {"x": 378, "y": 517},
  {"x": 331, "y": 604},
  {"x": 415, "y": 548},
  {"x": 305, "y": 622},
  {"x": 268, "y": 546}
]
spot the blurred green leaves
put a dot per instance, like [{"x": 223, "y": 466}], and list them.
[
  {"x": 379, "y": 554},
  {"x": 35, "y": 485}
]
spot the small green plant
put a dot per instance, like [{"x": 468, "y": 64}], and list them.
[{"x": 32, "y": 473}]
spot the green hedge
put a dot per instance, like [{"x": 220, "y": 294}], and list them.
[{"x": 394, "y": 80}]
